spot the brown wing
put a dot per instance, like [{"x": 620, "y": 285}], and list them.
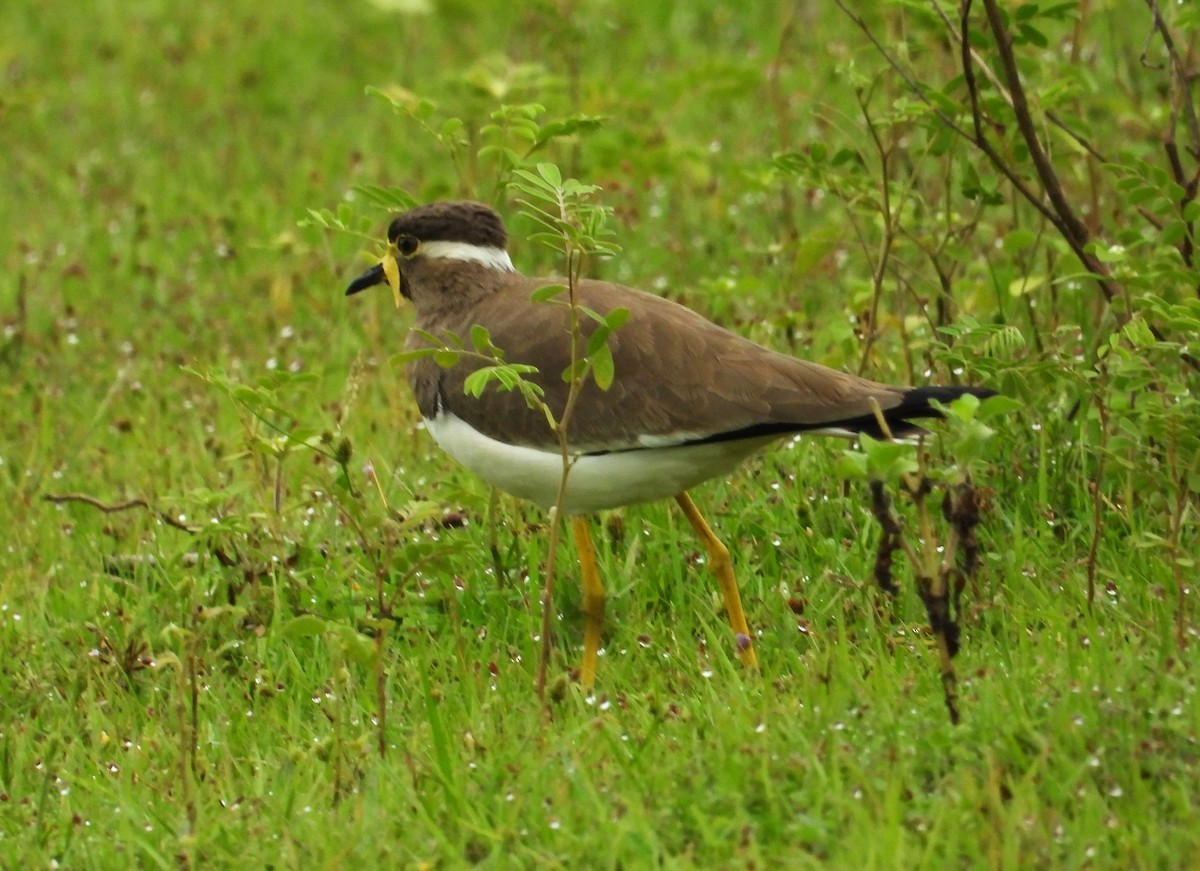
[{"x": 677, "y": 376}]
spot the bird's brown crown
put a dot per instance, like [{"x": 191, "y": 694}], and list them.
[{"x": 462, "y": 221}]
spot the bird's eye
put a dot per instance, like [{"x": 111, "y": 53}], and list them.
[{"x": 407, "y": 245}]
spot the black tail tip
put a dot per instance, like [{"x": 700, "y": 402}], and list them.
[
  {"x": 920, "y": 397},
  {"x": 916, "y": 405}
]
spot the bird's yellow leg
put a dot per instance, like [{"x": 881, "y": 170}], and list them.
[
  {"x": 593, "y": 600},
  {"x": 722, "y": 566}
]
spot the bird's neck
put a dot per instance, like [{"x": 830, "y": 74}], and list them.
[{"x": 444, "y": 286}]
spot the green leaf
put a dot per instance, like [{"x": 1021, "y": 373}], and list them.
[
  {"x": 597, "y": 340},
  {"x": 888, "y": 460},
  {"x": 446, "y": 358},
  {"x": 996, "y": 406},
  {"x": 386, "y": 197},
  {"x": 507, "y": 375},
  {"x": 435, "y": 342},
  {"x": 969, "y": 442},
  {"x": 1025, "y": 284},
  {"x": 1003, "y": 342},
  {"x": 575, "y": 188},
  {"x": 852, "y": 465},
  {"x": 405, "y": 357},
  {"x": 813, "y": 248},
  {"x": 550, "y": 173},
  {"x": 477, "y": 382},
  {"x": 592, "y": 313},
  {"x": 603, "y": 370},
  {"x": 415, "y": 513},
  {"x": 358, "y": 648},
  {"x": 964, "y": 407},
  {"x": 1109, "y": 253},
  {"x": 577, "y": 371},
  {"x": 304, "y": 626},
  {"x": 533, "y": 394},
  {"x": 1017, "y": 240},
  {"x": 616, "y": 319},
  {"x": 535, "y": 185},
  {"x": 1173, "y": 233},
  {"x": 1140, "y": 194},
  {"x": 246, "y": 395},
  {"x": 567, "y": 126},
  {"x": 1137, "y": 331},
  {"x": 1033, "y": 36},
  {"x": 481, "y": 339},
  {"x": 547, "y": 292}
]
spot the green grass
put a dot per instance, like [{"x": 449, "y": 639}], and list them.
[{"x": 161, "y": 706}]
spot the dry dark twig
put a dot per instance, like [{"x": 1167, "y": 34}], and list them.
[
  {"x": 1181, "y": 76},
  {"x": 1074, "y": 229},
  {"x": 890, "y": 215},
  {"x": 249, "y": 572},
  {"x": 1096, "y": 488},
  {"x": 1181, "y": 81},
  {"x": 932, "y": 588},
  {"x": 1054, "y": 205},
  {"x": 119, "y": 506},
  {"x": 890, "y": 542},
  {"x": 991, "y": 76},
  {"x": 961, "y": 509},
  {"x": 1058, "y": 211}
]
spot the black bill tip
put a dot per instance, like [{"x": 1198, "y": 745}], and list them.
[{"x": 370, "y": 278}]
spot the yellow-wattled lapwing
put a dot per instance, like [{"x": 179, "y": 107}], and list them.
[{"x": 690, "y": 400}]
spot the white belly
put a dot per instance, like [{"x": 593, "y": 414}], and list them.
[{"x": 596, "y": 482}]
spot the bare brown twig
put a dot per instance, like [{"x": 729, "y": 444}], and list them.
[
  {"x": 113, "y": 508},
  {"x": 1052, "y": 203},
  {"x": 1058, "y": 211},
  {"x": 783, "y": 115},
  {"x": 1181, "y": 76},
  {"x": 1097, "y": 487},
  {"x": 991, "y": 76},
  {"x": 574, "y": 262},
  {"x": 888, "y": 237},
  {"x": 891, "y": 540}
]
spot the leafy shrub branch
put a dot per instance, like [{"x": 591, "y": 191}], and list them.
[{"x": 991, "y": 169}]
